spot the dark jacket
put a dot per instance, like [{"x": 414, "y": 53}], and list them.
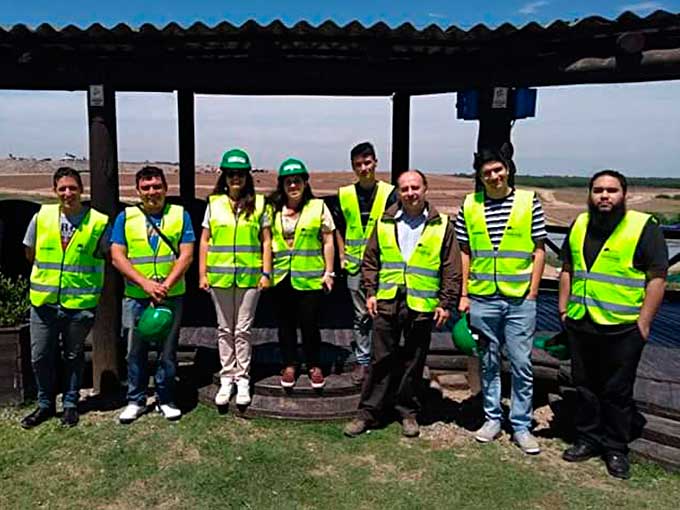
[{"x": 449, "y": 270}]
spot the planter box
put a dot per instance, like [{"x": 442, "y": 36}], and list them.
[{"x": 16, "y": 376}]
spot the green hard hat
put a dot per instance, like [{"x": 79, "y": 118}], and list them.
[
  {"x": 463, "y": 338},
  {"x": 155, "y": 322},
  {"x": 236, "y": 159},
  {"x": 292, "y": 166}
]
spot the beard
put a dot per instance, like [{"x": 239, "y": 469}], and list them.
[{"x": 606, "y": 221}]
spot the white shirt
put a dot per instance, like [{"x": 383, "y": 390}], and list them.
[{"x": 409, "y": 230}]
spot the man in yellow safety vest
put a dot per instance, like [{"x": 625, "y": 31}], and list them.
[
  {"x": 612, "y": 284},
  {"x": 411, "y": 273}
]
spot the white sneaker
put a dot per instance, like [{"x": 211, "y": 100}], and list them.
[
  {"x": 131, "y": 412},
  {"x": 242, "y": 391},
  {"x": 489, "y": 431},
  {"x": 224, "y": 394},
  {"x": 169, "y": 411},
  {"x": 527, "y": 442}
]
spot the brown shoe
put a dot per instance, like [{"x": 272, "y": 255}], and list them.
[
  {"x": 316, "y": 378},
  {"x": 359, "y": 374},
  {"x": 355, "y": 427},
  {"x": 288, "y": 377},
  {"x": 410, "y": 428}
]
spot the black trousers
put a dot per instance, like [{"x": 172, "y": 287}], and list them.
[
  {"x": 396, "y": 371},
  {"x": 603, "y": 369},
  {"x": 298, "y": 308}
]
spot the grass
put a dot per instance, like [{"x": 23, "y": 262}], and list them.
[{"x": 212, "y": 461}]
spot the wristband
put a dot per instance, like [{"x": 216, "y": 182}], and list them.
[
  {"x": 331, "y": 274},
  {"x": 267, "y": 275}
]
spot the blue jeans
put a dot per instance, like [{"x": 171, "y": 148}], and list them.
[
  {"x": 362, "y": 323},
  {"x": 47, "y": 324},
  {"x": 511, "y": 323},
  {"x": 138, "y": 354}
]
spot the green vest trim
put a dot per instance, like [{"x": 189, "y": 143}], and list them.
[
  {"x": 356, "y": 236},
  {"x": 234, "y": 250},
  {"x": 421, "y": 275},
  {"x": 613, "y": 291},
  {"x": 72, "y": 278},
  {"x": 154, "y": 265},
  {"x": 304, "y": 261},
  {"x": 508, "y": 269}
]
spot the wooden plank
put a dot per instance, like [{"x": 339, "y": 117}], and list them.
[
  {"x": 666, "y": 456},
  {"x": 187, "y": 145},
  {"x": 104, "y": 183},
  {"x": 401, "y": 112},
  {"x": 662, "y": 430}
]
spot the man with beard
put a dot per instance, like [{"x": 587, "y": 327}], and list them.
[{"x": 612, "y": 283}]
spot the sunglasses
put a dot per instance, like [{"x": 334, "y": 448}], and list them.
[{"x": 235, "y": 173}]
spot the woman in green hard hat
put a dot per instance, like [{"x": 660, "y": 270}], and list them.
[
  {"x": 235, "y": 263},
  {"x": 302, "y": 245}
]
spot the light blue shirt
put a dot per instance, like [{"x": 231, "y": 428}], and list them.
[{"x": 409, "y": 230}]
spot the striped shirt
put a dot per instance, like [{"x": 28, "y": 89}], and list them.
[{"x": 496, "y": 214}]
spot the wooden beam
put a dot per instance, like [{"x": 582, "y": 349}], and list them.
[
  {"x": 401, "y": 112},
  {"x": 101, "y": 109},
  {"x": 187, "y": 145}
]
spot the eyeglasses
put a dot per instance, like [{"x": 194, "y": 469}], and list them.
[
  {"x": 289, "y": 181},
  {"x": 235, "y": 173}
]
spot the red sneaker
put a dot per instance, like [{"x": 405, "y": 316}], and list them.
[
  {"x": 316, "y": 378},
  {"x": 288, "y": 377}
]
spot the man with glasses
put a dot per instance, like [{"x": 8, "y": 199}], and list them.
[{"x": 152, "y": 247}]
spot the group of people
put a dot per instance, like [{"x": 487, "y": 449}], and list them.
[{"x": 407, "y": 266}]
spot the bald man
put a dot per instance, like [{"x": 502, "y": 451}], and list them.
[{"x": 412, "y": 275}]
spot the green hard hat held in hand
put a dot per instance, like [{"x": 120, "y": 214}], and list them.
[
  {"x": 463, "y": 338},
  {"x": 155, "y": 322}
]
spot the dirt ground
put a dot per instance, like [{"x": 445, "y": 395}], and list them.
[{"x": 32, "y": 178}]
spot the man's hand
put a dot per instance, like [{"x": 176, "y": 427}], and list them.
[
  {"x": 343, "y": 262},
  {"x": 372, "y": 306},
  {"x": 464, "y": 304},
  {"x": 532, "y": 297},
  {"x": 327, "y": 282},
  {"x": 644, "y": 328},
  {"x": 441, "y": 316},
  {"x": 264, "y": 283},
  {"x": 203, "y": 282},
  {"x": 156, "y": 290}
]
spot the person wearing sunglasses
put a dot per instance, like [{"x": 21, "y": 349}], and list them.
[
  {"x": 303, "y": 251},
  {"x": 235, "y": 263}
]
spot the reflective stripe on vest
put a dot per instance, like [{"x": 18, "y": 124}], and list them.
[
  {"x": 304, "y": 261},
  {"x": 613, "y": 290},
  {"x": 356, "y": 236},
  {"x": 234, "y": 250},
  {"x": 420, "y": 275},
  {"x": 508, "y": 269},
  {"x": 73, "y": 278},
  {"x": 154, "y": 265}
]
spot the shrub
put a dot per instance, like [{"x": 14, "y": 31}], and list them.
[{"x": 14, "y": 301}]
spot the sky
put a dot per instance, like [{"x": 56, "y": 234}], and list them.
[{"x": 577, "y": 130}]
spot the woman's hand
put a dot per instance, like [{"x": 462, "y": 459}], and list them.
[{"x": 203, "y": 283}]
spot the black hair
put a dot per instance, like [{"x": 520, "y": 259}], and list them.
[
  {"x": 362, "y": 149},
  {"x": 278, "y": 197},
  {"x": 149, "y": 172},
  {"x": 247, "y": 196},
  {"x": 67, "y": 171},
  {"x": 502, "y": 154},
  {"x": 610, "y": 173}
]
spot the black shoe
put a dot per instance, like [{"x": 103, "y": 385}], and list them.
[
  {"x": 618, "y": 465},
  {"x": 70, "y": 417},
  {"x": 580, "y": 452},
  {"x": 37, "y": 417}
]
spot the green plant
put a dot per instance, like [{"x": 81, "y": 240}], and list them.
[{"x": 13, "y": 300}]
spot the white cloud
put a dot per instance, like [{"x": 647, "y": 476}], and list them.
[
  {"x": 533, "y": 7},
  {"x": 642, "y": 7}
]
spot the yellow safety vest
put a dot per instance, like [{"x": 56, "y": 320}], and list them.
[
  {"x": 421, "y": 275},
  {"x": 234, "y": 250},
  {"x": 154, "y": 265},
  {"x": 612, "y": 291},
  {"x": 304, "y": 261},
  {"x": 73, "y": 278},
  {"x": 356, "y": 236},
  {"x": 507, "y": 269}
]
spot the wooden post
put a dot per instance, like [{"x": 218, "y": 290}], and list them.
[
  {"x": 401, "y": 110},
  {"x": 101, "y": 110},
  {"x": 187, "y": 145},
  {"x": 495, "y": 117}
]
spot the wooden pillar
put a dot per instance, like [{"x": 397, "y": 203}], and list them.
[
  {"x": 187, "y": 145},
  {"x": 495, "y": 117},
  {"x": 101, "y": 110},
  {"x": 401, "y": 112}
]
